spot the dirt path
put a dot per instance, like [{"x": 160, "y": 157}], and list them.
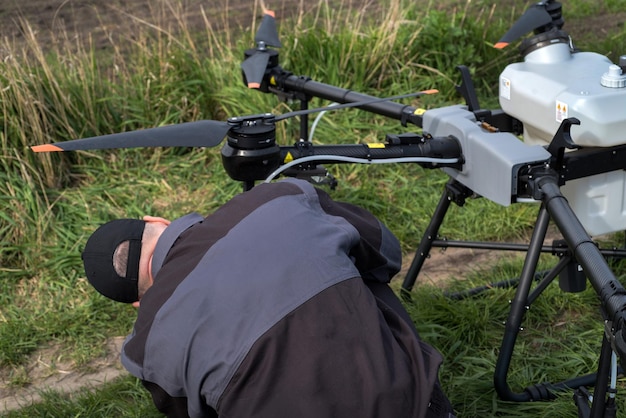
[{"x": 47, "y": 373}]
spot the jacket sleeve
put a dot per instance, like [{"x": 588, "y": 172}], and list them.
[
  {"x": 378, "y": 256},
  {"x": 170, "y": 406}
]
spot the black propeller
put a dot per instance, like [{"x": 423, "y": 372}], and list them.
[
  {"x": 257, "y": 60},
  {"x": 267, "y": 32},
  {"x": 538, "y": 18},
  {"x": 203, "y": 133}
]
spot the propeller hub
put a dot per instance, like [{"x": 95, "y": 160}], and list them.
[
  {"x": 254, "y": 133},
  {"x": 555, "y": 10},
  {"x": 250, "y": 152}
]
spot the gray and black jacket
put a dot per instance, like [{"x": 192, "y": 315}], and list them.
[{"x": 277, "y": 305}]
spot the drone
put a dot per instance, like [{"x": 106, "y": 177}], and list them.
[{"x": 561, "y": 101}]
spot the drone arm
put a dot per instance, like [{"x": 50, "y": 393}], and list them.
[
  {"x": 433, "y": 148},
  {"x": 287, "y": 82},
  {"x": 267, "y": 162}
]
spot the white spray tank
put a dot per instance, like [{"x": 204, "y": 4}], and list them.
[{"x": 555, "y": 82}]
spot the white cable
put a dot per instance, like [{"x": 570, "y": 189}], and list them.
[
  {"x": 360, "y": 161},
  {"x": 613, "y": 384},
  {"x": 317, "y": 120},
  {"x": 527, "y": 200}
]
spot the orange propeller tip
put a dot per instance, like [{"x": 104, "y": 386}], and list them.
[
  {"x": 500, "y": 45},
  {"x": 254, "y": 85},
  {"x": 431, "y": 91},
  {"x": 46, "y": 148},
  {"x": 270, "y": 12}
]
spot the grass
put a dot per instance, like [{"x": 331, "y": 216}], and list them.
[{"x": 50, "y": 203}]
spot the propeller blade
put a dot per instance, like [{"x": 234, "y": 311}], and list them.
[
  {"x": 353, "y": 104},
  {"x": 254, "y": 68},
  {"x": 535, "y": 17},
  {"x": 267, "y": 32},
  {"x": 204, "y": 133}
]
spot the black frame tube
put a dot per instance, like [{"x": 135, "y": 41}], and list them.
[
  {"x": 438, "y": 148},
  {"x": 426, "y": 243},
  {"x": 404, "y": 113},
  {"x": 611, "y": 292},
  {"x": 516, "y": 313},
  {"x": 580, "y": 247},
  {"x": 601, "y": 386}
]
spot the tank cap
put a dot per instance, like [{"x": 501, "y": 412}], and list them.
[{"x": 614, "y": 77}]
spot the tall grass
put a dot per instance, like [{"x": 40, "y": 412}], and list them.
[
  {"x": 166, "y": 71},
  {"x": 172, "y": 73}
]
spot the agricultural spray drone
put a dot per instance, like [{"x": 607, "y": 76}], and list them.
[{"x": 568, "y": 106}]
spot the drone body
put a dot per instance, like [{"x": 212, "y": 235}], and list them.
[{"x": 492, "y": 160}]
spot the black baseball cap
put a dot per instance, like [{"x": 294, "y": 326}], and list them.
[{"x": 98, "y": 259}]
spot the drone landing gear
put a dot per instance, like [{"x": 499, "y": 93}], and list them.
[{"x": 571, "y": 279}]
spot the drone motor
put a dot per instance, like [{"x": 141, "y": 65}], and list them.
[{"x": 251, "y": 152}]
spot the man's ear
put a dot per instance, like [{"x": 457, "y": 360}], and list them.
[{"x": 148, "y": 218}]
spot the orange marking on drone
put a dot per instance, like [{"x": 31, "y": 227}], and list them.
[
  {"x": 500, "y": 45},
  {"x": 271, "y": 13},
  {"x": 46, "y": 148},
  {"x": 254, "y": 85}
]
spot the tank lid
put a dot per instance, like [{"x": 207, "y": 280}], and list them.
[{"x": 614, "y": 78}]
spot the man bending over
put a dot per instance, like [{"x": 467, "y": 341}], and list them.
[{"x": 276, "y": 305}]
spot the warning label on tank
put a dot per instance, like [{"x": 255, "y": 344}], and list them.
[{"x": 561, "y": 111}]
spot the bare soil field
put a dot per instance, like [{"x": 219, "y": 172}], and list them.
[
  {"x": 118, "y": 18},
  {"x": 101, "y": 20}
]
